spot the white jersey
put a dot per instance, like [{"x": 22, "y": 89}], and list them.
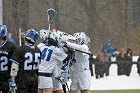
[
  {"x": 50, "y": 57},
  {"x": 82, "y": 59}
]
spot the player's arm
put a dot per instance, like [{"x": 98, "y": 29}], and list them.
[
  {"x": 59, "y": 54},
  {"x": 15, "y": 59},
  {"x": 14, "y": 69},
  {"x": 83, "y": 48}
]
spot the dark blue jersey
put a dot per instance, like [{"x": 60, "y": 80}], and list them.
[
  {"x": 6, "y": 50},
  {"x": 27, "y": 58}
]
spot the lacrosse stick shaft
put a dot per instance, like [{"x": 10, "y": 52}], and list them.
[
  {"x": 19, "y": 37},
  {"x": 67, "y": 87},
  {"x": 84, "y": 52}
]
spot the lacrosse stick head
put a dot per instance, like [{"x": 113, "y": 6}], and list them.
[{"x": 51, "y": 15}]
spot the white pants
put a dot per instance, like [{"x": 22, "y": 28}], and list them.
[
  {"x": 80, "y": 80},
  {"x": 45, "y": 82}
]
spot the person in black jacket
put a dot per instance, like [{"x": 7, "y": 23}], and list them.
[
  {"x": 128, "y": 58},
  {"x": 99, "y": 67},
  {"x": 121, "y": 62}
]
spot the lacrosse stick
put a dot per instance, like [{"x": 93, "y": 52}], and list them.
[{"x": 51, "y": 17}]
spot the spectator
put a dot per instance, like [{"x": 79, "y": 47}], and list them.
[
  {"x": 108, "y": 47},
  {"x": 129, "y": 54},
  {"x": 99, "y": 66},
  {"x": 121, "y": 56},
  {"x": 9, "y": 38},
  {"x": 91, "y": 61},
  {"x": 121, "y": 62},
  {"x": 107, "y": 59},
  {"x": 128, "y": 58},
  {"x": 106, "y": 56}
]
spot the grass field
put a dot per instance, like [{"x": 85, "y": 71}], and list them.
[{"x": 116, "y": 91}]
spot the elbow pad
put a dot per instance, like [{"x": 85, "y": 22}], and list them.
[{"x": 14, "y": 70}]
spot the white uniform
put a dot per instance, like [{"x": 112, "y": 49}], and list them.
[
  {"x": 79, "y": 72},
  {"x": 50, "y": 57}
]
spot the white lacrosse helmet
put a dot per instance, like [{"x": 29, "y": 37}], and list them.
[
  {"x": 44, "y": 34},
  {"x": 65, "y": 36},
  {"x": 81, "y": 37},
  {"x": 61, "y": 36},
  {"x": 53, "y": 35}
]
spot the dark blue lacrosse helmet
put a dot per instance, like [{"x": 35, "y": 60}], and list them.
[{"x": 32, "y": 35}]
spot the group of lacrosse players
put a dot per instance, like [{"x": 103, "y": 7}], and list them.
[
  {"x": 45, "y": 67},
  {"x": 63, "y": 57}
]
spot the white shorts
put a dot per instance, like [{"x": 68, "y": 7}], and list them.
[
  {"x": 81, "y": 80},
  {"x": 45, "y": 82}
]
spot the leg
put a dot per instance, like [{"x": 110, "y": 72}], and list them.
[
  {"x": 48, "y": 90},
  {"x": 45, "y": 84},
  {"x": 74, "y": 85},
  {"x": 85, "y": 91},
  {"x": 60, "y": 91},
  {"x": 40, "y": 90},
  {"x": 54, "y": 92},
  {"x": 97, "y": 76},
  {"x": 73, "y": 91},
  {"x": 85, "y": 82}
]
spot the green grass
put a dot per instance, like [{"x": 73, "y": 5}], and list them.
[{"x": 116, "y": 91}]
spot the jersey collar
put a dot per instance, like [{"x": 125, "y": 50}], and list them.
[{"x": 30, "y": 45}]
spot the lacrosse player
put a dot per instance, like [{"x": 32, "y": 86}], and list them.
[
  {"x": 51, "y": 56},
  {"x": 79, "y": 71},
  {"x": 57, "y": 86},
  {"x": 6, "y": 50},
  {"x": 25, "y": 62}
]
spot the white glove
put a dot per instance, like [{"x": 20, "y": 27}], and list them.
[
  {"x": 12, "y": 85},
  {"x": 14, "y": 70},
  {"x": 63, "y": 77}
]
